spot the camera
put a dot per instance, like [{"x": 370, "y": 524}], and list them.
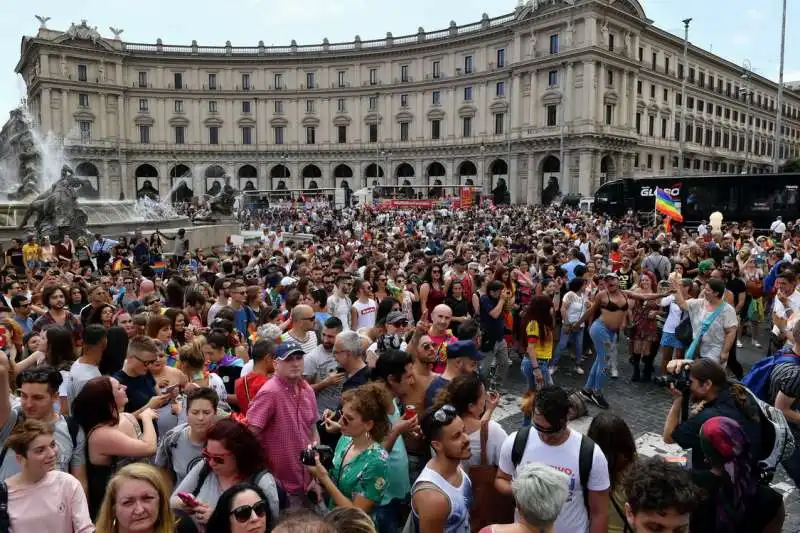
[
  {"x": 307, "y": 456},
  {"x": 679, "y": 381}
]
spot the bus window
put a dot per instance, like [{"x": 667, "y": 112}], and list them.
[
  {"x": 702, "y": 201},
  {"x": 769, "y": 197}
]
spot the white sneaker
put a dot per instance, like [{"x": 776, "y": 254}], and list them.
[
  {"x": 739, "y": 344},
  {"x": 614, "y": 373},
  {"x": 756, "y": 344},
  {"x": 552, "y": 370},
  {"x": 579, "y": 371}
]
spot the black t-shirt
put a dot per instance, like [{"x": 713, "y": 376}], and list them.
[
  {"x": 361, "y": 377},
  {"x": 758, "y": 512},
  {"x": 626, "y": 279},
  {"x": 139, "y": 389},
  {"x": 737, "y": 287},
  {"x": 687, "y": 434},
  {"x": 15, "y": 257}
]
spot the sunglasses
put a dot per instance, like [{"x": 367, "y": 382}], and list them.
[
  {"x": 243, "y": 513},
  {"x": 427, "y": 345},
  {"x": 547, "y": 431},
  {"x": 445, "y": 414},
  {"x": 218, "y": 459}
]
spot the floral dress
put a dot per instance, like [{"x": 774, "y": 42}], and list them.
[
  {"x": 364, "y": 475},
  {"x": 644, "y": 327}
]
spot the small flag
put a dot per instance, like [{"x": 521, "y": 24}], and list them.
[
  {"x": 116, "y": 266},
  {"x": 159, "y": 267},
  {"x": 667, "y": 206}
]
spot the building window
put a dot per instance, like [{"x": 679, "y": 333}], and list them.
[
  {"x": 212, "y": 81},
  {"x": 142, "y": 80},
  {"x": 501, "y": 57},
  {"x": 309, "y": 106},
  {"x": 213, "y": 135},
  {"x": 680, "y": 71},
  {"x": 466, "y": 127},
  {"x": 178, "y": 106},
  {"x": 177, "y": 80},
  {"x": 468, "y": 65},
  {"x": 83, "y": 73},
  {"x": 639, "y": 87},
  {"x": 310, "y": 81},
  {"x": 212, "y": 106},
  {"x": 690, "y": 102},
  {"x": 500, "y": 88},
  {"x": 666, "y": 95},
  {"x": 144, "y": 134},
  {"x": 85, "y": 129},
  {"x": 554, "y": 44},
  {"x": 83, "y": 100},
  {"x": 278, "y": 132},
  {"x": 663, "y": 128},
  {"x": 655, "y": 60},
  {"x": 641, "y": 54},
  {"x": 666, "y": 65},
  {"x": 403, "y": 100},
  {"x": 404, "y": 73},
  {"x": 340, "y": 106},
  {"x": 247, "y": 135},
  {"x": 436, "y": 98},
  {"x": 701, "y": 106},
  {"x": 278, "y": 81},
  {"x": 552, "y": 78},
  {"x": 180, "y": 134},
  {"x": 610, "y": 78},
  {"x": 373, "y": 76},
  {"x": 662, "y": 162},
  {"x": 651, "y": 125},
  {"x": 611, "y": 42},
  {"x": 609, "y": 114},
  {"x": 636, "y": 158},
  {"x": 246, "y": 106},
  {"x": 701, "y": 79},
  {"x": 691, "y": 74},
  {"x": 311, "y": 135},
  {"x": 652, "y": 90},
  {"x": 373, "y": 133},
  {"x": 341, "y": 134},
  {"x": 341, "y": 78},
  {"x": 404, "y": 131},
  {"x": 552, "y": 114},
  {"x": 638, "y": 123},
  {"x": 499, "y": 122},
  {"x": 436, "y": 129},
  {"x": 467, "y": 94},
  {"x": 278, "y": 106},
  {"x": 373, "y": 103},
  {"x": 245, "y": 82},
  {"x": 143, "y": 107},
  {"x": 649, "y": 161},
  {"x": 437, "y": 69}
]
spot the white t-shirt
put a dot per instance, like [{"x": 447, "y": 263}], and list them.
[
  {"x": 340, "y": 308},
  {"x": 573, "y": 517},
  {"x": 779, "y": 309},
  {"x": 494, "y": 442},
  {"x": 365, "y": 313},
  {"x": 714, "y": 339},
  {"x": 674, "y": 315}
]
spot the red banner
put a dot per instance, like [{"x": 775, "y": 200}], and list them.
[
  {"x": 413, "y": 204},
  {"x": 466, "y": 197}
]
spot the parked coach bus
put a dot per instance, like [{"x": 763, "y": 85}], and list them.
[{"x": 756, "y": 197}]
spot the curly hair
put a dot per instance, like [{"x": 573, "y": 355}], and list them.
[
  {"x": 462, "y": 392},
  {"x": 373, "y": 402},
  {"x": 242, "y": 444},
  {"x": 654, "y": 485}
]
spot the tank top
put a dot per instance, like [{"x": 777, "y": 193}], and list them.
[
  {"x": 435, "y": 297},
  {"x": 460, "y": 499},
  {"x": 365, "y": 314}
]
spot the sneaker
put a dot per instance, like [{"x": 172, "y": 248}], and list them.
[
  {"x": 579, "y": 371},
  {"x": 739, "y": 344},
  {"x": 600, "y": 401},
  {"x": 614, "y": 373},
  {"x": 756, "y": 344},
  {"x": 553, "y": 370},
  {"x": 587, "y": 395}
]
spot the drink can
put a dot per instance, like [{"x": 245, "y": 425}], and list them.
[{"x": 409, "y": 412}]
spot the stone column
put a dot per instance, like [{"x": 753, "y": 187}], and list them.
[
  {"x": 569, "y": 84},
  {"x": 513, "y": 178},
  {"x": 533, "y": 195},
  {"x": 66, "y": 123},
  {"x": 164, "y": 184},
  {"x": 103, "y": 115},
  {"x": 587, "y": 172},
  {"x": 534, "y": 99},
  {"x": 590, "y": 88},
  {"x": 47, "y": 120},
  {"x": 516, "y": 103},
  {"x": 623, "y": 101},
  {"x": 591, "y": 30}
]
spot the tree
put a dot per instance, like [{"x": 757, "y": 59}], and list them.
[{"x": 792, "y": 165}]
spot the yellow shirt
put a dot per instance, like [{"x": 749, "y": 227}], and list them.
[
  {"x": 30, "y": 251},
  {"x": 543, "y": 348}
]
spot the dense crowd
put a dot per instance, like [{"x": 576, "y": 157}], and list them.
[{"x": 341, "y": 374}]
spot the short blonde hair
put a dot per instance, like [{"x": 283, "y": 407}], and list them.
[{"x": 107, "y": 517}]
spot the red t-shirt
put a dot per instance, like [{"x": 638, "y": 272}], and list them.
[{"x": 254, "y": 382}]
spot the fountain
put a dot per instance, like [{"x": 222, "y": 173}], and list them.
[{"x": 38, "y": 186}]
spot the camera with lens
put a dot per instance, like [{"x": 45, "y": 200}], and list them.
[
  {"x": 308, "y": 458},
  {"x": 680, "y": 381}
]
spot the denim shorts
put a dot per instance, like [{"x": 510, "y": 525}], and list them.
[{"x": 669, "y": 339}]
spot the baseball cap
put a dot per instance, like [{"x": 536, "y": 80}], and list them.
[
  {"x": 463, "y": 349},
  {"x": 396, "y": 316},
  {"x": 285, "y": 349},
  {"x": 611, "y": 275}
]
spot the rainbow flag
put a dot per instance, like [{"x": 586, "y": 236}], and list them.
[
  {"x": 159, "y": 267},
  {"x": 667, "y": 206}
]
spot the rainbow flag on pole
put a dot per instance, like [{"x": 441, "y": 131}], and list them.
[{"x": 667, "y": 206}]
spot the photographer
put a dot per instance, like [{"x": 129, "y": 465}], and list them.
[{"x": 711, "y": 395}]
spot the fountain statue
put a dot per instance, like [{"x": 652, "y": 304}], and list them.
[
  {"x": 219, "y": 205},
  {"x": 56, "y": 210},
  {"x": 19, "y": 155}
]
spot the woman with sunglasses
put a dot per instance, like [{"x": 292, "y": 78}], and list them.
[
  {"x": 359, "y": 473},
  {"x": 242, "y": 508},
  {"x": 431, "y": 292},
  {"x": 232, "y": 455}
]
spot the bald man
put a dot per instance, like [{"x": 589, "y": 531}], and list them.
[
  {"x": 302, "y": 330},
  {"x": 440, "y": 335}
]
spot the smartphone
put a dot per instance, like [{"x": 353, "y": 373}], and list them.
[
  {"x": 188, "y": 499},
  {"x": 171, "y": 388}
]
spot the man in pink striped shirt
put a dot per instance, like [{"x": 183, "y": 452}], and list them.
[{"x": 283, "y": 416}]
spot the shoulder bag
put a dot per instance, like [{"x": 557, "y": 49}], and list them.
[{"x": 489, "y": 506}]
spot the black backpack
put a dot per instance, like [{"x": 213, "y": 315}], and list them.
[{"x": 585, "y": 458}]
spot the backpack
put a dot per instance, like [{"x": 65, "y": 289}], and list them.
[
  {"x": 585, "y": 458},
  {"x": 777, "y": 440},
  {"x": 283, "y": 498},
  {"x": 5, "y": 518},
  {"x": 757, "y": 380}
]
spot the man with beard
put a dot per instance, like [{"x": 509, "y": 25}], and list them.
[
  {"x": 441, "y": 496},
  {"x": 321, "y": 372},
  {"x": 627, "y": 276},
  {"x": 55, "y": 298}
]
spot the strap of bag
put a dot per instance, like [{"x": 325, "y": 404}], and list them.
[
  {"x": 585, "y": 459},
  {"x": 484, "y": 440},
  {"x": 246, "y": 390},
  {"x": 5, "y": 518},
  {"x": 626, "y": 527},
  {"x": 520, "y": 441},
  {"x": 205, "y": 470},
  {"x": 703, "y": 329}
]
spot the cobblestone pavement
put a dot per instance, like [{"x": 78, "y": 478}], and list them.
[{"x": 644, "y": 407}]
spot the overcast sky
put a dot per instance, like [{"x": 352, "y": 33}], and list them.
[{"x": 735, "y": 29}]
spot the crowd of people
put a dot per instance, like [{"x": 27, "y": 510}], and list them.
[{"x": 342, "y": 372}]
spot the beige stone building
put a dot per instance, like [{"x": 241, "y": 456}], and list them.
[{"x": 588, "y": 86}]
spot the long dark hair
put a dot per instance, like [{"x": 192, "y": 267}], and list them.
[
  {"x": 95, "y": 404},
  {"x": 60, "y": 347},
  {"x": 220, "y": 522},
  {"x": 540, "y": 309},
  {"x": 614, "y": 437}
]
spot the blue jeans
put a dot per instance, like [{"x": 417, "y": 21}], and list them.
[
  {"x": 527, "y": 371},
  {"x": 391, "y": 518},
  {"x": 576, "y": 338},
  {"x": 605, "y": 346}
]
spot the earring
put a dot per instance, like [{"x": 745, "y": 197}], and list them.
[{"x": 114, "y": 523}]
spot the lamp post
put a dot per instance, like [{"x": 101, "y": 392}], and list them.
[
  {"x": 749, "y": 99},
  {"x": 483, "y": 168},
  {"x": 779, "y": 103},
  {"x": 284, "y": 157},
  {"x": 682, "y": 131}
]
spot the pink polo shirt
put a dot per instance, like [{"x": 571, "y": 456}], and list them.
[{"x": 283, "y": 416}]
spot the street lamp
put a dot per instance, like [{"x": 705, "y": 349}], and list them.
[
  {"x": 483, "y": 167},
  {"x": 284, "y": 157},
  {"x": 682, "y": 131},
  {"x": 745, "y": 91},
  {"x": 779, "y": 119}
]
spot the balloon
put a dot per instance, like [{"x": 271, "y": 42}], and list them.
[{"x": 716, "y": 221}]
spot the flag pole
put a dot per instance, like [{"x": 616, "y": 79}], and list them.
[{"x": 655, "y": 210}]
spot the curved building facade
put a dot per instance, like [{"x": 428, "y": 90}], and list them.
[{"x": 560, "y": 92}]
